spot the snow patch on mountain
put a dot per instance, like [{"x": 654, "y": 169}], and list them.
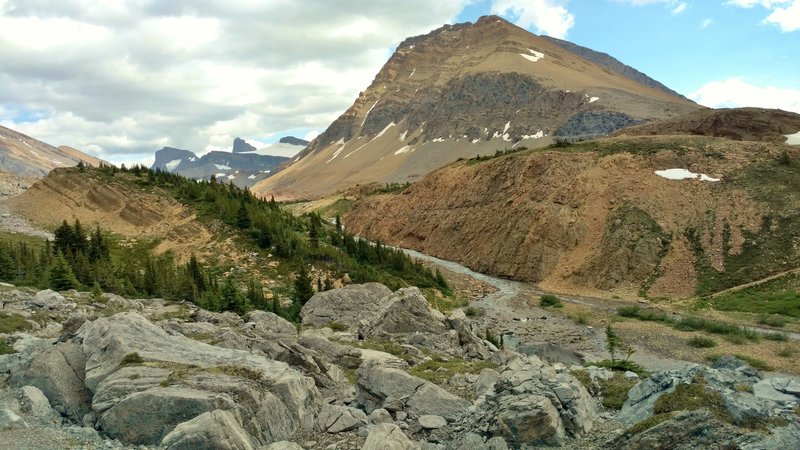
[
  {"x": 172, "y": 165},
  {"x": 683, "y": 174},
  {"x": 534, "y": 56},
  {"x": 222, "y": 167},
  {"x": 404, "y": 149}
]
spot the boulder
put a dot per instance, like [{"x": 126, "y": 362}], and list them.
[
  {"x": 35, "y": 403},
  {"x": 348, "y": 305},
  {"x": 108, "y": 341},
  {"x": 550, "y": 352},
  {"x": 778, "y": 389},
  {"x": 642, "y": 397},
  {"x": 380, "y": 415},
  {"x": 271, "y": 324},
  {"x": 395, "y": 390},
  {"x": 386, "y": 436},
  {"x": 336, "y": 419},
  {"x": 431, "y": 422},
  {"x": 486, "y": 381},
  {"x": 10, "y": 421},
  {"x": 135, "y": 367},
  {"x": 145, "y": 418},
  {"x": 405, "y": 312},
  {"x": 49, "y": 299},
  {"x": 529, "y": 420},
  {"x": 212, "y": 430},
  {"x": 343, "y": 355},
  {"x": 58, "y": 371}
]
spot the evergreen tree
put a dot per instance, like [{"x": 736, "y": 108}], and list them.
[
  {"x": 63, "y": 238},
  {"x": 196, "y": 273},
  {"x": 61, "y": 277},
  {"x": 613, "y": 341},
  {"x": 338, "y": 224},
  {"x": 328, "y": 285},
  {"x": 313, "y": 234},
  {"x": 8, "y": 268},
  {"x": 302, "y": 286},
  {"x": 242, "y": 217},
  {"x": 255, "y": 295}
]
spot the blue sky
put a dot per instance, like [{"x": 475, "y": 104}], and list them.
[{"x": 121, "y": 79}]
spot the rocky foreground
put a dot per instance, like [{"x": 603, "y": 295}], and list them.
[{"x": 369, "y": 369}]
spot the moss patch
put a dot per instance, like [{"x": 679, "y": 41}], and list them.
[
  {"x": 692, "y": 396},
  {"x": 438, "y": 371},
  {"x": 648, "y": 423},
  {"x": 10, "y": 323}
]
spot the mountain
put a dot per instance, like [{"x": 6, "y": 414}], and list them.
[
  {"x": 25, "y": 156},
  {"x": 242, "y": 168},
  {"x": 614, "y": 214},
  {"x": 241, "y": 146},
  {"x": 464, "y": 90}
]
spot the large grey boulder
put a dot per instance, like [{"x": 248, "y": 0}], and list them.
[
  {"x": 337, "y": 419},
  {"x": 431, "y": 422},
  {"x": 386, "y": 436},
  {"x": 147, "y": 381},
  {"x": 214, "y": 430},
  {"x": 343, "y": 355},
  {"x": 283, "y": 445},
  {"x": 348, "y": 305},
  {"x": 35, "y": 403},
  {"x": 271, "y": 325},
  {"x": 145, "y": 418},
  {"x": 405, "y": 312},
  {"x": 529, "y": 420},
  {"x": 58, "y": 371},
  {"x": 642, "y": 397},
  {"x": 49, "y": 299},
  {"x": 108, "y": 341},
  {"x": 778, "y": 389},
  {"x": 395, "y": 390},
  {"x": 532, "y": 402}
]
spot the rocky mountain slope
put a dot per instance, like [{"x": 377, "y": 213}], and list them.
[
  {"x": 80, "y": 371},
  {"x": 464, "y": 90},
  {"x": 740, "y": 124},
  {"x": 25, "y": 156},
  {"x": 657, "y": 215},
  {"x": 244, "y": 166},
  {"x": 119, "y": 207}
]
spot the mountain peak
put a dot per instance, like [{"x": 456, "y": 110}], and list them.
[
  {"x": 469, "y": 89},
  {"x": 241, "y": 146}
]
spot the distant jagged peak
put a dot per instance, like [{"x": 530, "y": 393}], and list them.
[
  {"x": 291, "y": 140},
  {"x": 241, "y": 146}
]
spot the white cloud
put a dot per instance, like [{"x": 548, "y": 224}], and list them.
[
  {"x": 736, "y": 92},
  {"x": 787, "y": 18},
  {"x": 548, "y": 17},
  {"x": 679, "y": 8},
  {"x": 122, "y": 78},
  {"x": 705, "y": 23}
]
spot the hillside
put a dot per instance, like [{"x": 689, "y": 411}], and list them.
[
  {"x": 25, "y": 156},
  {"x": 464, "y": 90},
  {"x": 595, "y": 217},
  {"x": 741, "y": 124}
]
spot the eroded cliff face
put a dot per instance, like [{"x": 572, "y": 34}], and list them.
[
  {"x": 597, "y": 217},
  {"x": 120, "y": 208}
]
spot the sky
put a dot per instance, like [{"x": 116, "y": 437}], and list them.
[{"x": 120, "y": 79}]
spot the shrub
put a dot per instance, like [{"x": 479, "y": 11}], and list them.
[
  {"x": 336, "y": 326},
  {"x": 786, "y": 352},
  {"x": 648, "y": 423},
  {"x": 6, "y": 348},
  {"x": 629, "y": 311},
  {"x": 772, "y": 320},
  {"x": 130, "y": 359},
  {"x": 688, "y": 397},
  {"x": 550, "y": 300},
  {"x": 10, "y": 323},
  {"x": 776, "y": 337},
  {"x": 701, "y": 342},
  {"x": 471, "y": 311},
  {"x": 615, "y": 390}
]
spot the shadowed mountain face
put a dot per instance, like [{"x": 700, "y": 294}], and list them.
[
  {"x": 469, "y": 89},
  {"x": 25, "y": 156},
  {"x": 242, "y": 169}
]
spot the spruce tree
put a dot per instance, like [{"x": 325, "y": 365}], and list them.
[
  {"x": 302, "y": 286},
  {"x": 613, "y": 341},
  {"x": 243, "y": 217},
  {"x": 61, "y": 277}
]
